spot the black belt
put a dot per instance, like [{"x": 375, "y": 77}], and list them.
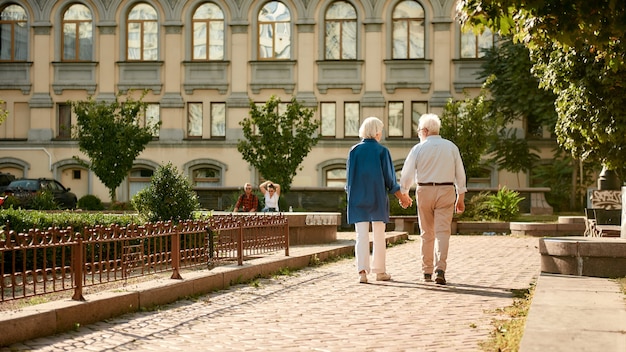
[{"x": 436, "y": 183}]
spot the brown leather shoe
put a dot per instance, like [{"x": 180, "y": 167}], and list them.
[{"x": 428, "y": 277}]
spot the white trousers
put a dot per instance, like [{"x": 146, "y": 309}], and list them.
[{"x": 362, "y": 247}]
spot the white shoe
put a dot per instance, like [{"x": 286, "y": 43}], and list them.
[
  {"x": 363, "y": 278},
  {"x": 383, "y": 277}
]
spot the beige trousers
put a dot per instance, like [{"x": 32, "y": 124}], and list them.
[
  {"x": 362, "y": 247},
  {"x": 435, "y": 208}
]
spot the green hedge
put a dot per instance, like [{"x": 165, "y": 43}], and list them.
[{"x": 20, "y": 220}]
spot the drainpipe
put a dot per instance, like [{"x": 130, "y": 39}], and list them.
[{"x": 34, "y": 148}]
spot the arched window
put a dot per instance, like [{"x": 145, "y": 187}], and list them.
[
  {"x": 207, "y": 177},
  {"x": 138, "y": 179},
  {"x": 142, "y": 42},
  {"x": 208, "y": 33},
  {"x": 408, "y": 30},
  {"x": 13, "y": 33},
  {"x": 274, "y": 23},
  {"x": 335, "y": 177},
  {"x": 77, "y": 34},
  {"x": 340, "y": 40}
]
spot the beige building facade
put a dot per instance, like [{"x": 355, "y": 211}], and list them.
[{"x": 202, "y": 62}]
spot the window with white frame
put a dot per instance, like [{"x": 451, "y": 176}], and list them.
[
  {"x": 352, "y": 119},
  {"x": 408, "y": 30},
  {"x": 395, "y": 123},
  {"x": 328, "y": 116},
  {"x": 274, "y": 25},
  {"x": 473, "y": 46},
  {"x": 208, "y": 33},
  {"x": 142, "y": 41},
  {"x": 14, "y": 33},
  {"x": 77, "y": 34},
  {"x": 340, "y": 38}
]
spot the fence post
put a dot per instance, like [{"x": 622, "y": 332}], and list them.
[
  {"x": 240, "y": 243},
  {"x": 78, "y": 253},
  {"x": 176, "y": 253},
  {"x": 286, "y": 232}
]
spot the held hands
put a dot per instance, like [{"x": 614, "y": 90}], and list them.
[{"x": 405, "y": 201}]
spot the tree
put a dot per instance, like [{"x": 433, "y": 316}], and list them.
[
  {"x": 580, "y": 55},
  {"x": 170, "y": 196},
  {"x": 471, "y": 125},
  {"x": 111, "y": 136},
  {"x": 277, "y": 141}
]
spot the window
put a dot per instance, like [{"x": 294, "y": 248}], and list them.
[
  {"x": 138, "y": 179},
  {"x": 336, "y": 177},
  {"x": 473, "y": 46},
  {"x": 396, "y": 119},
  {"x": 207, "y": 177},
  {"x": 195, "y": 117},
  {"x": 418, "y": 109},
  {"x": 218, "y": 120},
  {"x": 194, "y": 120},
  {"x": 13, "y": 33},
  {"x": 408, "y": 30},
  {"x": 352, "y": 117},
  {"x": 142, "y": 34},
  {"x": 481, "y": 179},
  {"x": 328, "y": 118},
  {"x": 65, "y": 120},
  {"x": 274, "y": 31},
  {"x": 77, "y": 34},
  {"x": 76, "y": 174},
  {"x": 208, "y": 33},
  {"x": 340, "y": 40},
  {"x": 151, "y": 118}
]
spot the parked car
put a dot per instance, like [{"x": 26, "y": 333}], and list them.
[
  {"x": 5, "y": 180},
  {"x": 24, "y": 190}
]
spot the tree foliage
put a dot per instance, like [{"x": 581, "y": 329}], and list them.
[
  {"x": 276, "y": 141},
  {"x": 470, "y": 124},
  {"x": 170, "y": 196},
  {"x": 109, "y": 133},
  {"x": 580, "y": 53},
  {"x": 513, "y": 88}
]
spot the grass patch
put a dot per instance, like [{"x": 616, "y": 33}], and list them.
[{"x": 508, "y": 332}]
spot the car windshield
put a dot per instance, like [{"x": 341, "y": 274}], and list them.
[{"x": 24, "y": 184}]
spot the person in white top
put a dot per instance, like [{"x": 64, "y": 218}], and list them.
[
  {"x": 436, "y": 167},
  {"x": 271, "y": 192}
]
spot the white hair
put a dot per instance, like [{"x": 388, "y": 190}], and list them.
[{"x": 370, "y": 127}]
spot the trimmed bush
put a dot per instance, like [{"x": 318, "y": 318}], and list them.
[
  {"x": 169, "y": 196},
  {"x": 90, "y": 202}
]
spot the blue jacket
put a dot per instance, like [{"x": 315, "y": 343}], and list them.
[{"x": 370, "y": 177}]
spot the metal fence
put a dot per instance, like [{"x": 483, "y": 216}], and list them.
[{"x": 54, "y": 260}]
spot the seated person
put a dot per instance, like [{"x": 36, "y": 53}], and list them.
[
  {"x": 247, "y": 202},
  {"x": 271, "y": 191}
]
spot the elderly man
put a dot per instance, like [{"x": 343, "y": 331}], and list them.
[
  {"x": 247, "y": 201},
  {"x": 436, "y": 167}
]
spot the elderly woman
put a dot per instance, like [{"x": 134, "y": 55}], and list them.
[{"x": 370, "y": 177}]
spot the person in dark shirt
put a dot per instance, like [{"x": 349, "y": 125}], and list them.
[{"x": 247, "y": 202}]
